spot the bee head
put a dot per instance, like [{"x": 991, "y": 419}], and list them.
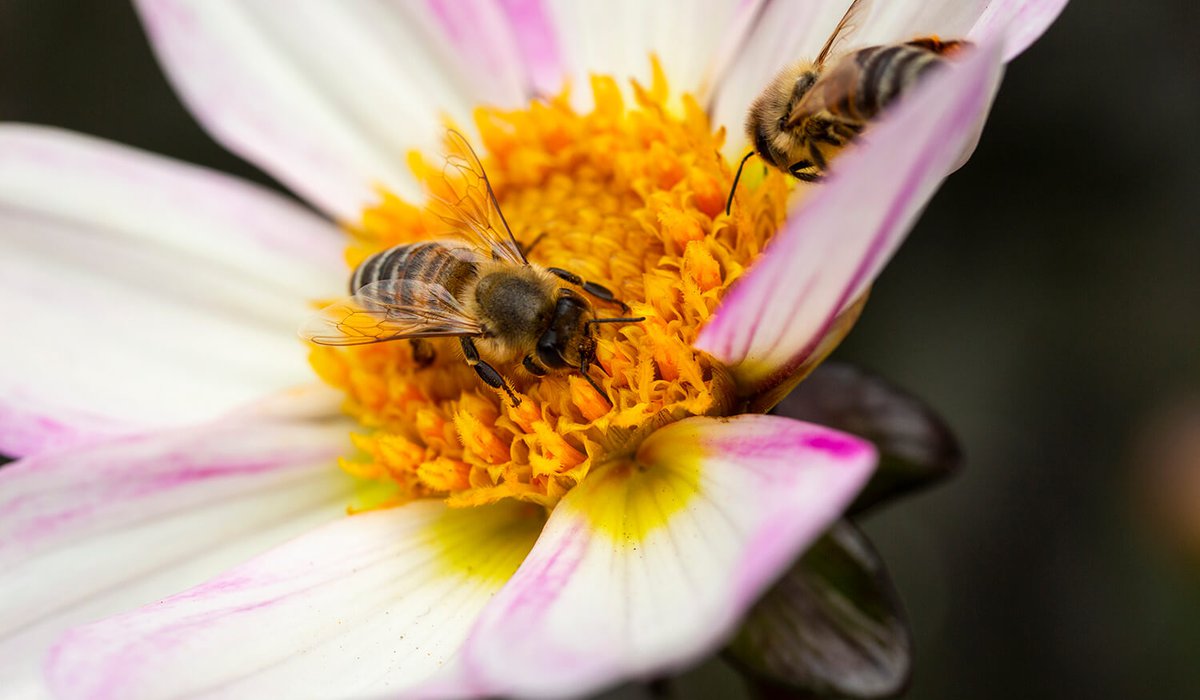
[
  {"x": 769, "y": 115},
  {"x": 567, "y": 339}
]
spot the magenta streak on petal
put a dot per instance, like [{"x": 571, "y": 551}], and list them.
[
  {"x": 113, "y": 683},
  {"x": 538, "y": 582},
  {"x": 789, "y": 442},
  {"x": 118, "y": 486},
  {"x": 548, "y": 579},
  {"x": 139, "y": 488},
  {"x": 537, "y": 42},
  {"x": 839, "y": 446},
  {"x": 26, "y": 432}
]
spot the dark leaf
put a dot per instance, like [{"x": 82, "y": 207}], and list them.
[
  {"x": 915, "y": 445},
  {"x": 832, "y": 626}
]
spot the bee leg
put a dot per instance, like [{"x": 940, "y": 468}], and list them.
[
  {"x": 585, "y": 364},
  {"x": 599, "y": 291},
  {"x": 805, "y": 171},
  {"x": 422, "y": 352},
  {"x": 533, "y": 367},
  {"x": 486, "y": 372}
]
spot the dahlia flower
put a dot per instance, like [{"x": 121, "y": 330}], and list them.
[{"x": 398, "y": 529}]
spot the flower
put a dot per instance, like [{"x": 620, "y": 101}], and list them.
[{"x": 148, "y": 467}]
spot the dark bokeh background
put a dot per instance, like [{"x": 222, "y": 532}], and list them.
[{"x": 1048, "y": 304}]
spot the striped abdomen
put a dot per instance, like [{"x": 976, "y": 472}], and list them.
[
  {"x": 868, "y": 80},
  {"x": 433, "y": 262}
]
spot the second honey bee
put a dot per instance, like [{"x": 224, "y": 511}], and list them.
[
  {"x": 813, "y": 109},
  {"x": 477, "y": 287}
]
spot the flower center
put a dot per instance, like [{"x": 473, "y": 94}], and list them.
[{"x": 629, "y": 197}]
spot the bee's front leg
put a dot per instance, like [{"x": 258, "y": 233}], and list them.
[
  {"x": 599, "y": 291},
  {"x": 486, "y": 372}
]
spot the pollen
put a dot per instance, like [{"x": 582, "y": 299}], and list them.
[{"x": 630, "y": 195}]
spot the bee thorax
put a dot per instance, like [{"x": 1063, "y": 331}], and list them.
[{"x": 514, "y": 307}]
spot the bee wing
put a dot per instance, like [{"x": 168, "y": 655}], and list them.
[
  {"x": 464, "y": 199},
  {"x": 832, "y": 86},
  {"x": 390, "y": 309},
  {"x": 852, "y": 21}
]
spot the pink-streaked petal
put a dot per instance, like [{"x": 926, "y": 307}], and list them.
[
  {"x": 649, "y": 564},
  {"x": 532, "y": 28},
  {"x": 1021, "y": 21},
  {"x": 367, "y": 606},
  {"x": 143, "y": 292},
  {"x": 786, "y": 32},
  {"x": 93, "y": 530},
  {"x": 140, "y": 291},
  {"x": 479, "y": 35},
  {"x": 329, "y": 97},
  {"x": 831, "y": 248}
]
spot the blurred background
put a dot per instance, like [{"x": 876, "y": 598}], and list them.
[{"x": 1047, "y": 304}]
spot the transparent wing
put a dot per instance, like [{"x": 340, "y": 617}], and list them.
[
  {"x": 832, "y": 87},
  {"x": 852, "y": 21},
  {"x": 390, "y": 310},
  {"x": 463, "y": 198}
]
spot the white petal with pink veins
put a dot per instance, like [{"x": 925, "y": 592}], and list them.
[
  {"x": 329, "y": 97},
  {"x": 139, "y": 291},
  {"x": 93, "y": 530},
  {"x": 649, "y": 563},
  {"x": 368, "y": 605},
  {"x": 845, "y": 230}
]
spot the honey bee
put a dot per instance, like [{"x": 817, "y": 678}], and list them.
[
  {"x": 477, "y": 287},
  {"x": 813, "y": 109}
]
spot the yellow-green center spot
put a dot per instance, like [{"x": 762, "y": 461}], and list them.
[
  {"x": 487, "y": 543},
  {"x": 629, "y": 499}
]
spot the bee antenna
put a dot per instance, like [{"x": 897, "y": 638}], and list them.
[
  {"x": 638, "y": 319},
  {"x": 733, "y": 188}
]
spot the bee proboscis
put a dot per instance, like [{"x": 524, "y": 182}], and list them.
[
  {"x": 813, "y": 109},
  {"x": 477, "y": 286}
]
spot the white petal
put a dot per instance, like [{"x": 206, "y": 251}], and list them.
[
  {"x": 370, "y": 604},
  {"x": 617, "y": 38},
  {"x": 830, "y": 250},
  {"x": 140, "y": 291},
  {"x": 648, "y": 565},
  {"x": 329, "y": 97},
  {"x": 891, "y": 21},
  {"x": 90, "y": 531}
]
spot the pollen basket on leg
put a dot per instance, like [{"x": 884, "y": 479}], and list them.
[{"x": 630, "y": 197}]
